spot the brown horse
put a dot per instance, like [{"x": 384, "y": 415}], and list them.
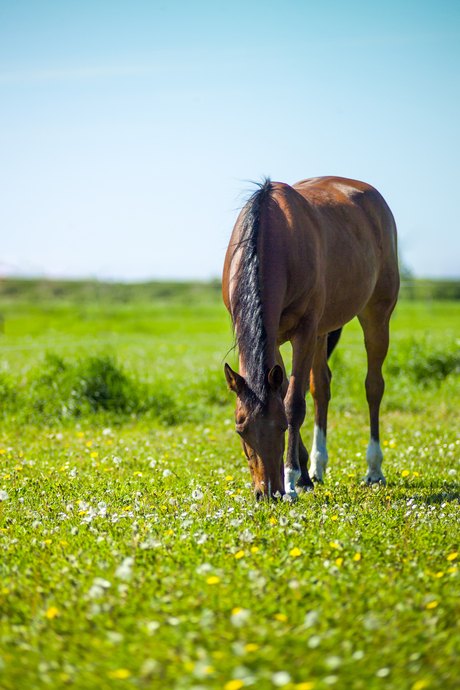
[{"x": 302, "y": 262}]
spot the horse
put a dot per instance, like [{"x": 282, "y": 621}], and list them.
[{"x": 303, "y": 260}]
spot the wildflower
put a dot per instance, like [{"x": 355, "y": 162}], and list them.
[
  {"x": 338, "y": 562},
  {"x": 283, "y": 520},
  {"x": 120, "y": 673},
  {"x": 311, "y": 619},
  {"x": 251, "y": 647},
  {"x": 357, "y": 557},
  {"x": 228, "y": 478},
  {"x": 240, "y": 554},
  {"x": 281, "y": 678},
  {"x": 254, "y": 549},
  {"x": 239, "y": 616},
  {"x": 94, "y": 455},
  {"x": 281, "y": 617},
  {"x": 234, "y": 685},
  {"x": 405, "y": 473},
  {"x": 432, "y": 604},
  {"x": 52, "y": 612},
  {"x": 452, "y": 556},
  {"x": 167, "y": 473},
  {"x": 124, "y": 571},
  {"x": 383, "y": 672},
  {"x": 89, "y": 444},
  {"x": 334, "y": 517},
  {"x": 305, "y": 686},
  {"x": 213, "y": 580},
  {"x": 3, "y": 496},
  {"x": 197, "y": 495},
  {"x": 420, "y": 684},
  {"x": 295, "y": 552}
]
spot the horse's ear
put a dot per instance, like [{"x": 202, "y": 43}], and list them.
[
  {"x": 235, "y": 382},
  {"x": 275, "y": 378}
]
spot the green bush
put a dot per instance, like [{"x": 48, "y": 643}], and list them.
[{"x": 423, "y": 363}]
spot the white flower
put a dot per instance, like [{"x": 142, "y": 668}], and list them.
[
  {"x": 283, "y": 520},
  {"x": 152, "y": 464},
  {"x": 247, "y": 536},
  {"x": 203, "y": 569},
  {"x": 239, "y": 617},
  {"x": 281, "y": 678},
  {"x": 152, "y": 626},
  {"x": 3, "y": 495},
  {"x": 83, "y": 505},
  {"x": 125, "y": 570},
  {"x": 452, "y": 473},
  {"x": 311, "y": 619},
  {"x": 107, "y": 432},
  {"x": 202, "y": 538},
  {"x": 197, "y": 495},
  {"x": 167, "y": 473}
]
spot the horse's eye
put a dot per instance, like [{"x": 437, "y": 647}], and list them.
[{"x": 239, "y": 427}]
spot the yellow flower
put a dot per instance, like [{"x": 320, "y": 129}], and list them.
[
  {"x": 89, "y": 444},
  {"x": 254, "y": 549},
  {"x": 304, "y": 686},
  {"x": 52, "y": 612},
  {"x": 121, "y": 673},
  {"x": 80, "y": 434},
  {"x": 234, "y": 685},
  {"x": 357, "y": 557},
  {"x": 405, "y": 473},
  {"x": 228, "y": 478},
  {"x": 63, "y": 543},
  {"x": 415, "y": 474},
  {"x": 281, "y": 617},
  {"x": 240, "y": 554},
  {"x": 213, "y": 580},
  {"x": 48, "y": 541},
  {"x": 236, "y": 610},
  {"x": 295, "y": 552},
  {"x": 420, "y": 684},
  {"x": 333, "y": 545},
  {"x": 328, "y": 493},
  {"x": 189, "y": 666},
  {"x": 94, "y": 455},
  {"x": 272, "y": 521},
  {"x": 452, "y": 556},
  {"x": 350, "y": 475},
  {"x": 440, "y": 574},
  {"x": 432, "y": 604},
  {"x": 334, "y": 517},
  {"x": 251, "y": 647},
  {"x": 5, "y": 590},
  {"x": 339, "y": 562}
]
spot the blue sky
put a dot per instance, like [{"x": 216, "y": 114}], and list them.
[{"x": 128, "y": 130}]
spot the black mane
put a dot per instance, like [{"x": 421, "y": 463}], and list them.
[{"x": 246, "y": 303}]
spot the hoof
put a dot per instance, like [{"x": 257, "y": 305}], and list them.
[
  {"x": 317, "y": 480},
  {"x": 290, "y": 496},
  {"x": 305, "y": 488},
  {"x": 377, "y": 479}
]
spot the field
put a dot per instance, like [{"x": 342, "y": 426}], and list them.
[{"x": 133, "y": 554}]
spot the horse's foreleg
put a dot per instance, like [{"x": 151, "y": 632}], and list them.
[
  {"x": 303, "y": 350},
  {"x": 320, "y": 389},
  {"x": 375, "y": 324}
]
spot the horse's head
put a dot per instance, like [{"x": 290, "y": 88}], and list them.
[{"x": 261, "y": 431}]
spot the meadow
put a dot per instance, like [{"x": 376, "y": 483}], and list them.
[{"x": 132, "y": 551}]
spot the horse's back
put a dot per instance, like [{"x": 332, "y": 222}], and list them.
[{"x": 357, "y": 235}]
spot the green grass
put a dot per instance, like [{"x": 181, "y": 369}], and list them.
[{"x": 133, "y": 554}]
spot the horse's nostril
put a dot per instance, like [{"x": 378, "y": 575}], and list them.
[{"x": 259, "y": 495}]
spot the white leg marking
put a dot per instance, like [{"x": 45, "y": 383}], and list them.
[
  {"x": 374, "y": 457},
  {"x": 290, "y": 479},
  {"x": 318, "y": 455}
]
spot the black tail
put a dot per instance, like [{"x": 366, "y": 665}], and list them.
[{"x": 332, "y": 339}]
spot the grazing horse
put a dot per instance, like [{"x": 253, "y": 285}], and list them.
[{"x": 302, "y": 262}]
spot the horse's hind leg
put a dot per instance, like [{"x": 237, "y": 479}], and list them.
[
  {"x": 375, "y": 322},
  {"x": 320, "y": 388}
]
